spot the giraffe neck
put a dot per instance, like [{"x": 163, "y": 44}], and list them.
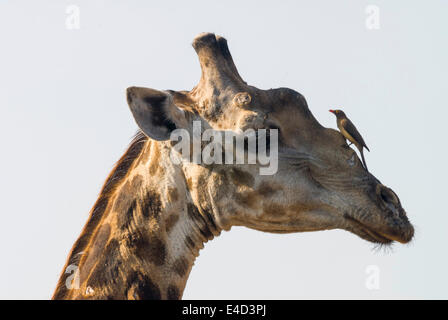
[{"x": 145, "y": 242}]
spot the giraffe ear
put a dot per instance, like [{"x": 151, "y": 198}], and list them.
[{"x": 155, "y": 112}]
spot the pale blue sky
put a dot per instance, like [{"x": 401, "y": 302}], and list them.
[{"x": 65, "y": 121}]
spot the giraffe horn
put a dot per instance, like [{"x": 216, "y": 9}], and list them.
[
  {"x": 222, "y": 42},
  {"x": 217, "y": 66}
]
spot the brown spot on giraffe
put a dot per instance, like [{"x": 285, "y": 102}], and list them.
[
  {"x": 141, "y": 287},
  {"x": 201, "y": 221},
  {"x": 180, "y": 266},
  {"x": 190, "y": 244},
  {"x": 126, "y": 216},
  {"x": 130, "y": 209},
  {"x": 107, "y": 267},
  {"x": 101, "y": 238},
  {"x": 151, "y": 204},
  {"x": 148, "y": 248},
  {"x": 173, "y": 293},
  {"x": 171, "y": 221},
  {"x": 173, "y": 194}
]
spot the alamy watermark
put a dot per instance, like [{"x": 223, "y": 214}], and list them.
[
  {"x": 227, "y": 147},
  {"x": 373, "y": 17},
  {"x": 72, "y": 281},
  {"x": 373, "y": 277},
  {"x": 72, "y": 21}
]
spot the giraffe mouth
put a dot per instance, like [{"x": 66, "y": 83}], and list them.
[{"x": 367, "y": 233}]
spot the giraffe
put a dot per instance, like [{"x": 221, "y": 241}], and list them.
[{"x": 153, "y": 215}]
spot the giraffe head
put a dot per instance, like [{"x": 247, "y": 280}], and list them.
[{"x": 319, "y": 182}]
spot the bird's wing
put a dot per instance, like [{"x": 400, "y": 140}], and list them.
[{"x": 351, "y": 130}]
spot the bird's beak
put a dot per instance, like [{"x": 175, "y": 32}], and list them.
[{"x": 332, "y": 111}]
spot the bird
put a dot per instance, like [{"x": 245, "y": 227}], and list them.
[{"x": 350, "y": 132}]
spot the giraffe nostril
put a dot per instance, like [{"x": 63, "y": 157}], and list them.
[{"x": 387, "y": 195}]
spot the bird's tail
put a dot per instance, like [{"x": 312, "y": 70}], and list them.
[{"x": 363, "y": 160}]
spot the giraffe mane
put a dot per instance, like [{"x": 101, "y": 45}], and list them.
[{"x": 114, "y": 178}]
